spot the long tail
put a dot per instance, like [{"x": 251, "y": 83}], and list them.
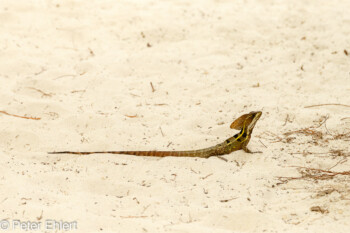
[{"x": 204, "y": 153}]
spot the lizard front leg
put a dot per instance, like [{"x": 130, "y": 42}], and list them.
[{"x": 245, "y": 148}]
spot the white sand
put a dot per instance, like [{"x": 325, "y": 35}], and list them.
[{"x": 85, "y": 68}]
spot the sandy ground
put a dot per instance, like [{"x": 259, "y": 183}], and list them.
[{"x": 85, "y": 68}]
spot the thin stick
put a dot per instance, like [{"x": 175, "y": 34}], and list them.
[
  {"x": 313, "y": 173},
  {"x": 205, "y": 177},
  {"x": 339, "y": 162},
  {"x": 41, "y": 92},
  {"x": 161, "y": 131},
  {"x": 317, "y": 105},
  {"x": 262, "y": 143},
  {"x": 325, "y": 119},
  {"x": 153, "y": 90},
  {"x": 227, "y": 200},
  {"x": 287, "y": 118},
  {"x": 30, "y": 118},
  {"x": 142, "y": 216},
  {"x": 131, "y": 116}
]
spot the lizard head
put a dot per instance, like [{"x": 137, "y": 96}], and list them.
[{"x": 246, "y": 121}]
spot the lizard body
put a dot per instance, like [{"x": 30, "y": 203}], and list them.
[{"x": 244, "y": 123}]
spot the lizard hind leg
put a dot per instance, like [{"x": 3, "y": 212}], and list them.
[{"x": 245, "y": 148}]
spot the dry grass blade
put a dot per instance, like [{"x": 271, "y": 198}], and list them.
[
  {"x": 24, "y": 117},
  {"x": 318, "y": 105},
  {"x": 309, "y": 132},
  {"x": 313, "y": 173}
]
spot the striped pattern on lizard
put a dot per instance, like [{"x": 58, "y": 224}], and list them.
[{"x": 244, "y": 123}]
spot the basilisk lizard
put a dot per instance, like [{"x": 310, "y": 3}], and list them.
[{"x": 244, "y": 123}]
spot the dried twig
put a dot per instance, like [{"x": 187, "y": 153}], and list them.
[
  {"x": 309, "y": 132},
  {"x": 205, "y": 177},
  {"x": 262, "y": 143},
  {"x": 227, "y": 200},
  {"x": 274, "y": 136},
  {"x": 41, "y": 92},
  {"x": 161, "y": 131},
  {"x": 30, "y": 118},
  {"x": 313, "y": 173},
  {"x": 222, "y": 158},
  {"x": 319, "y": 209},
  {"x": 41, "y": 216},
  {"x": 287, "y": 120},
  {"x": 131, "y": 116},
  {"x": 339, "y": 162},
  {"x": 142, "y": 216},
  {"x": 317, "y": 105},
  {"x": 153, "y": 90},
  {"x": 324, "y": 121}
]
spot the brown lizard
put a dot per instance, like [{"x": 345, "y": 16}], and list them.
[{"x": 244, "y": 123}]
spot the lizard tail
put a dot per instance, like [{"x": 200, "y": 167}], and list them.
[
  {"x": 79, "y": 153},
  {"x": 193, "y": 153},
  {"x": 165, "y": 153}
]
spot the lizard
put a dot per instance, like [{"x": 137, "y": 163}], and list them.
[{"x": 244, "y": 123}]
